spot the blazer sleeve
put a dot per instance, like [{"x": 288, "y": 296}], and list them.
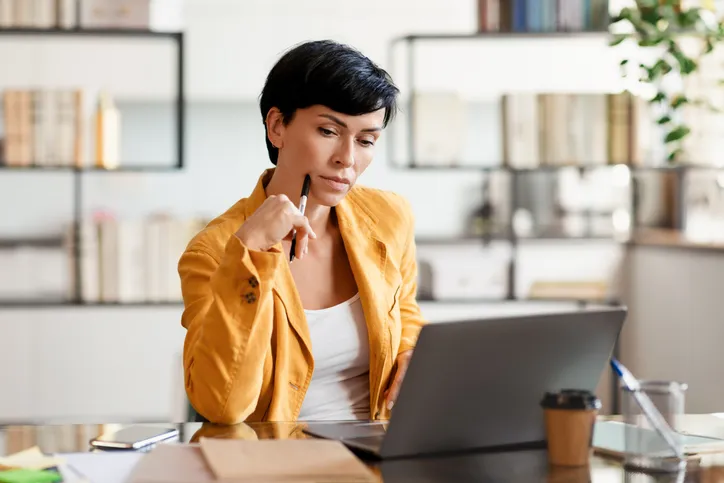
[
  {"x": 228, "y": 317},
  {"x": 412, "y": 320}
]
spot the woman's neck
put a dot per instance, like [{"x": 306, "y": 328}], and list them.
[{"x": 319, "y": 216}]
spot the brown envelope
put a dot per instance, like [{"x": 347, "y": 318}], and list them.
[
  {"x": 283, "y": 460},
  {"x": 172, "y": 463}
]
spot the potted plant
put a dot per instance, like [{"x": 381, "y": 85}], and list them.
[{"x": 664, "y": 32}]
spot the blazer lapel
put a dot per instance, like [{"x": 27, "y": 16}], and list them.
[
  {"x": 367, "y": 254},
  {"x": 286, "y": 288}
]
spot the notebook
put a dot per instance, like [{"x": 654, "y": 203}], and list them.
[{"x": 286, "y": 459}]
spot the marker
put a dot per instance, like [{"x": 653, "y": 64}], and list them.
[{"x": 302, "y": 207}]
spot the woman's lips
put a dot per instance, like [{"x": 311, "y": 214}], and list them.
[{"x": 337, "y": 184}]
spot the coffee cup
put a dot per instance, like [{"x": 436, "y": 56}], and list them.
[{"x": 570, "y": 416}]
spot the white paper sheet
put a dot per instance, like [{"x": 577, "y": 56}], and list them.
[{"x": 100, "y": 467}]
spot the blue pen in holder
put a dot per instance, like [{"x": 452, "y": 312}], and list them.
[
  {"x": 645, "y": 448},
  {"x": 650, "y": 412}
]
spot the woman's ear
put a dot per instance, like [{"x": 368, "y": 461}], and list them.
[{"x": 275, "y": 127}]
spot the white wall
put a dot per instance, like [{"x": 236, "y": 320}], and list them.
[
  {"x": 90, "y": 365},
  {"x": 675, "y": 325},
  {"x": 100, "y": 365},
  {"x": 56, "y": 362}
]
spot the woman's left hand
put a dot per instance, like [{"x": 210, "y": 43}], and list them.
[{"x": 401, "y": 363}]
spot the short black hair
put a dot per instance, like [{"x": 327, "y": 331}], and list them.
[{"x": 328, "y": 73}]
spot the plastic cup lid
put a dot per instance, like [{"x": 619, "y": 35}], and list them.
[{"x": 571, "y": 399}]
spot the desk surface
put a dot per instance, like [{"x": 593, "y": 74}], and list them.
[{"x": 527, "y": 466}]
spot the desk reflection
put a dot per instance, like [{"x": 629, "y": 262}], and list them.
[{"x": 509, "y": 466}]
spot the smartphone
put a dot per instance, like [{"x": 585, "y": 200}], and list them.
[{"x": 134, "y": 437}]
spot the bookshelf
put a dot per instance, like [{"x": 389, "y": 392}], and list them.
[
  {"x": 50, "y": 304},
  {"x": 78, "y": 172},
  {"x": 404, "y": 63},
  {"x": 110, "y": 32}
]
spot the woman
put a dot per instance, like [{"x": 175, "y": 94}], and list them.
[{"x": 328, "y": 335}]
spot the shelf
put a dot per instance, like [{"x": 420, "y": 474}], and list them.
[
  {"x": 462, "y": 239},
  {"x": 44, "y": 242},
  {"x": 566, "y": 238},
  {"x": 491, "y": 169},
  {"x": 502, "y": 35},
  {"x": 487, "y": 300},
  {"x": 91, "y": 169},
  {"x": 466, "y": 240},
  {"x": 552, "y": 168},
  {"x": 39, "y": 304},
  {"x": 92, "y": 32}
]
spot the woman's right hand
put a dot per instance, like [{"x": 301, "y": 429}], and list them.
[{"x": 272, "y": 222}]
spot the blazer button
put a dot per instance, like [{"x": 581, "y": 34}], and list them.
[
  {"x": 250, "y": 297},
  {"x": 253, "y": 282}
]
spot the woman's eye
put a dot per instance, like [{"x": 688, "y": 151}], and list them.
[
  {"x": 326, "y": 132},
  {"x": 366, "y": 143}
]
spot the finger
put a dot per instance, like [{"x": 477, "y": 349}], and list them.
[
  {"x": 304, "y": 243},
  {"x": 301, "y": 224},
  {"x": 395, "y": 388},
  {"x": 300, "y": 246},
  {"x": 392, "y": 392}
]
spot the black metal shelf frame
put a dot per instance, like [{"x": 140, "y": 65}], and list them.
[
  {"x": 78, "y": 172},
  {"x": 679, "y": 170}
]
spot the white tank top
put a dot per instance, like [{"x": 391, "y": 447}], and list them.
[{"x": 339, "y": 389}]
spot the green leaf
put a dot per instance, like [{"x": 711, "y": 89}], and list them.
[
  {"x": 661, "y": 67},
  {"x": 674, "y": 155},
  {"x": 650, "y": 15},
  {"x": 664, "y": 119},
  {"x": 687, "y": 65},
  {"x": 668, "y": 13},
  {"x": 688, "y": 18},
  {"x": 623, "y": 62},
  {"x": 678, "y": 101},
  {"x": 676, "y": 134},
  {"x": 626, "y": 13},
  {"x": 644, "y": 4},
  {"x": 709, "y": 46},
  {"x": 659, "y": 97},
  {"x": 617, "y": 39},
  {"x": 651, "y": 41}
]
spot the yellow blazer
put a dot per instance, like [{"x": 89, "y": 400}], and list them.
[{"x": 247, "y": 352}]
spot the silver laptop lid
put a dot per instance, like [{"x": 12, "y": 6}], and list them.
[{"x": 478, "y": 383}]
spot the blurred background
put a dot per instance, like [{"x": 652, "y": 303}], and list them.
[{"x": 543, "y": 175}]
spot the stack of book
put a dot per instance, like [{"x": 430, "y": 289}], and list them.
[
  {"x": 38, "y": 14},
  {"x": 117, "y": 261},
  {"x": 157, "y": 15},
  {"x": 43, "y": 128},
  {"x": 563, "y": 129},
  {"x": 58, "y": 128},
  {"x": 542, "y": 15},
  {"x": 132, "y": 261}
]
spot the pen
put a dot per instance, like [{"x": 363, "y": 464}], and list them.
[
  {"x": 647, "y": 406},
  {"x": 302, "y": 206}
]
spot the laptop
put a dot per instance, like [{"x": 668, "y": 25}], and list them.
[{"x": 475, "y": 384}]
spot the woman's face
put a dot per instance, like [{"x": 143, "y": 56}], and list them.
[{"x": 333, "y": 148}]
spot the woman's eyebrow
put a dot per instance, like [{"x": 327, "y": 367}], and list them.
[{"x": 341, "y": 123}]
